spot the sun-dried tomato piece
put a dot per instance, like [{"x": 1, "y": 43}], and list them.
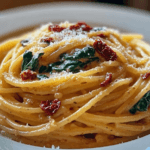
[
  {"x": 87, "y": 28},
  {"x": 74, "y": 27},
  {"x": 104, "y": 50},
  {"x": 80, "y": 23},
  {"x": 56, "y": 28},
  {"x": 50, "y": 107},
  {"x": 145, "y": 76},
  {"x": 107, "y": 80},
  {"x": 84, "y": 26},
  {"x": 47, "y": 40},
  {"x": 28, "y": 74},
  {"x": 101, "y": 35}
]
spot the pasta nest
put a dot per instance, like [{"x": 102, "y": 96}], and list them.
[{"x": 74, "y": 86}]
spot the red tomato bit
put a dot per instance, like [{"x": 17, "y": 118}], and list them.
[
  {"x": 56, "y": 28},
  {"x": 74, "y": 27},
  {"x": 28, "y": 74},
  {"x": 102, "y": 35},
  {"x": 47, "y": 40},
  {"x": 104, "y": 50},
  {"x": 145, "y": 76},
  {"x": 87, "y": 28},
  {"x": 82, "y": 25},
  {"x": 107, "y": 80},
  {"x": 50, "y": 107}
]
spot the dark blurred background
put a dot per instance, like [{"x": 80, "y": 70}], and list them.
[{"x": 141, "y": 4}]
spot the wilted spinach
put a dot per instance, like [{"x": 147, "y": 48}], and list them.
[
  {"x": 142, "y": 104},
  {"x": 72, "y": 62},
  {"x": 30, "y": 61}
]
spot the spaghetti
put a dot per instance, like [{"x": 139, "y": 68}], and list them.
[{"x": 74, "y": 86}]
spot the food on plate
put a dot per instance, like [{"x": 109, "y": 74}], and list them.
[{"x": 74, "y": 86}]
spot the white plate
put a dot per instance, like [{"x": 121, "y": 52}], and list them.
[{"x": 123, "y": 18}]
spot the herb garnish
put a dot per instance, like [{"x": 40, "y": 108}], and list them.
[
  {"x": 42, "y": 69},
  {"x": 68, "y": 62},
  {"x": 86, "y": 52},
  {"x": 27, "y": 56},
  {"x": 72, "y": 62},
  {"x": 30, "y": 61},
  {"x": 142, "y": 104}
]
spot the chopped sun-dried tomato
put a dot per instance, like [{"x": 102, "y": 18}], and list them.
[
  {"x": 107, "y": 80},
  {"x": 50, "y": 107},
  {"x": 101, "y": 35},
  {"x": 47, "y": 40},
  {"x": 56, "y": 28},
  {"x": 74, "y": 27},
  {"x": 104, "y": 50},
  {"x": 82, "y": 25},
  {"x": 28, "y": 74},
  {"x": 87, "y": 28},
  {"x": 145, "y": 76}
]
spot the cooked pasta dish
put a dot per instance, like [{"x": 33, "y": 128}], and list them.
[{"x": 74, "y": 86}]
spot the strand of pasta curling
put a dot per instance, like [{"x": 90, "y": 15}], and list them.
[
  {"x": 7, "y": 46},
  {"x": 88, "y": 72},
  {"x": 50, "y": 128},
  {"x": 128, "y": 104},
  {"x": 127, "y": 95},
  {"x": 108, "y": 128}
]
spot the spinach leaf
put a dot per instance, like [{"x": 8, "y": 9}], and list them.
[
  {"x": 72, "y": 65},
  {"x": 86, "y": 52},
  {"x": 33, "y": 63},
  {"x": 27, "y": 56},
  {"x": 71, "y": 62},
  {"x": 142, "y": 104},
  {"x": 42, "y": 69},
  {"x": 89, "y": 61},
  {"x": 42, "y": 76},
  {"x": 50, "y": 66},
  {"x": 69, "y": 65}
]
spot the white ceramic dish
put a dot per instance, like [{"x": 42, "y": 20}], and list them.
[{"x": 123, "y": 18}]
